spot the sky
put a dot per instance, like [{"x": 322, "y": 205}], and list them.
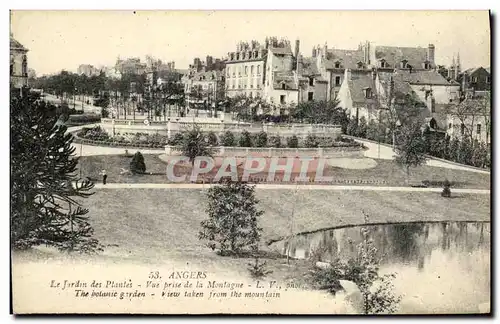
[{"x": 65, "y": 39}]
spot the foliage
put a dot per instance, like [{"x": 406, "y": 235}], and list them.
[
  {"x": 212, "y": 139},
  {"x": 245, "y": 139},
  {"x": 258, "y": 269},
  {"x": 410, "y": 146},
  {"x": 137, "y": 165},
  {"x": 195, "y": 144},
  {"x": 362, "y": 127},
  {"x": 320, "y": 112},
  {"x": 293, "y": 141},
  {"x": 261, "y": 139},
  {"x": 446, "y": 189},
  {"x": 227, "y": 139},
  {"x": 83, "y": 119},
  {"x": 177, "y": 139},
  {"x": 44, "y": 182},
  {"x": 233, "y": 218},
  {"x": 311, "y": 141},
  {"x": 275, "y": 141}
]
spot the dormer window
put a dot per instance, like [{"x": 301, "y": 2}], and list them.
[
  {"x": 383, "y": 64},
  {"x": 360, "y": 65},
  {"x": 311, "y": 81},
  {"x": 337, "y": 65},
  {"x": 283, "y": 86},
  {"x": 427, "y": 65},
  {"x": 368, "y": 93},
  {"x": 232, "y": 56},
  {"x": 237, "y": 56},
  {"x": 404, "y": 64}
]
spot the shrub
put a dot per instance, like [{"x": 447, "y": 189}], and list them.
[
  {"x": 275, "y": 141},
  {"x": 177, "y": 139},
  {"x": 227, "y": 139},
  {"x": 293, "y": 142},
  {"x": 311, "y": 141},
  {"x": 245, "y": 139},
  {"x": 258, "y": 269},
  {"x": 261, "y": 140},
  {"x": 446, "y": 189},
  {"x": 84, "y": 119},
  {"x": 137, "y": 164},
  {"x": 212, "y": 139}
]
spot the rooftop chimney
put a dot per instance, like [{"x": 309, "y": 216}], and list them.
[{"x": 431, "y": 50}]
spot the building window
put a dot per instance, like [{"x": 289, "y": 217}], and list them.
[
  {"x": 488, "y": 79},
  {"x": 251, "y": 70},
  {"x": 11, "y": 66},
  {"x": 474, "y": 79},
  {"x": 246, "y": 70},
  {"x": 232, "y": 56},
  {"x": 283, "y": 86},
  {"x": 360, "y": 65},
  {"x": 478, "y": 129},
  {"x": 404, "y": 64},
  {"x": 25, "y": 66},
  {"x": 383, "y": 64},
  {"x": 282, "y": 99},
  {"x": 337, "y": 65},
  {"x": 310, "y": 96},
  {"x": 258, "y": 69},
  {"x": 337, "y": 80},
  {"x": 311, "y": 81},
  {"x": 237, "y": 56},
  {"x": 368, "y": 93}
]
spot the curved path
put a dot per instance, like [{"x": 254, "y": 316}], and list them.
[{"x": 385, "y": 152}]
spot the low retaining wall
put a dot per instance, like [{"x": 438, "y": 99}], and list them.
[
  {"x": 170, "y": 128},
  {"x": 326, "y": 152}
]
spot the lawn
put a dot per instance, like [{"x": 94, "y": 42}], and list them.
[
  {"x": 385, "y": 173},
  {"x": 154, "y": 224}
]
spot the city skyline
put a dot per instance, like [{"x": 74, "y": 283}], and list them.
[{"x": 60, "y": 40}]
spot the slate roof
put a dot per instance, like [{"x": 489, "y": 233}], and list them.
[
  {"x": 415, "y": 56},
  {"x": 208, "y": 75},
  {"x": 281, "y": 50},
  {"x": 348, "y": 58},
  {"x": 422, "y": 77},
  {"x": 14, "y": 44},
  {"x": 284, "y": 77},
  {"x": 358, "y": 83}
]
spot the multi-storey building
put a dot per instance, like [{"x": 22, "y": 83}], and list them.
[
  {"x": 130, "y": 66},
  {"x": 245, "y": 73},
  {"x": 88, "y": 70},
  {"x": 18, "y": 64},
  {"x": 332, "y": 62}
]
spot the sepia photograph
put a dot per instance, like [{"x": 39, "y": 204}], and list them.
[{"x": 312, "y": 162}]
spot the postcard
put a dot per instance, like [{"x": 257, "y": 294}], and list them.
[{"x": 250, "y": 162}]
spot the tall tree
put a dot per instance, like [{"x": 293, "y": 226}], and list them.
[
  {"x": 410, "y": 147},
  {"x": 45, "y": 185}
]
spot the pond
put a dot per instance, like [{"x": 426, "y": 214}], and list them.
[{"x": 441, "y": 267}]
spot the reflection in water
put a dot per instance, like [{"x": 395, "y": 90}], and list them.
[{"x": 441, "y": 267}]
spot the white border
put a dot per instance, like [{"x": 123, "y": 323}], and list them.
[{"x": 199, "y": 4}]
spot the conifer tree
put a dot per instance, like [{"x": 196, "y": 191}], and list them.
[{"x": 45, "y": 188}]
